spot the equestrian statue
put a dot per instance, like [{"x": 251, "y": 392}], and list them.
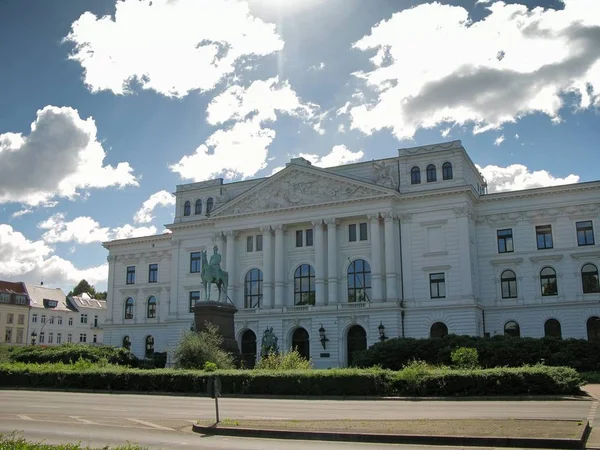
[{"x": 212, "y": 273}]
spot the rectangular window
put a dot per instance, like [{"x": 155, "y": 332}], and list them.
[
  {"x": 69, "y": 338},
  {"x": 8, "y": 335},
  {"x": 95, "y": 321},
  {"x": 299, "y": 238},
  {"x": 70, "y": 321},
  {"x": 84, "y": 318},
  {"x": 51, "y": 320},
  {"x": 130, "y": 275},
  {"x": 82, "y": 337},
  {"x": 42, "y": 338},
  {"x": 309, "y": 238},
  {"x": 352, "y": 232},
  {"x": 10, "y": 318},
  {"x": 58, "y": 338},
  {"x": 95, "y": 339},
  {"x": 19, "y": 335},
  {"x": 259, "y": 242},
  {"x": 194, "y": 297},
  {"x": 34, "y": 318},
  {"x": 20, "y": 299},
  {"x": 543, "y": 236},
  {"x": 505, "y": 241},
  {"x": 153, "y": 273},
  {"x": 50, "y": 338},
  {"x": 363, "y": 231},
  {"x": 21, "y": 319},
  {"x": 195, "y": 262},
  {"x": 585, "y": 233},
  {"x": 43, "y": 319},
  {"x": 59, "y": 319},
  {"x": 4, "y": 297},
  {"x": 437, "y": 285},
  {"x": 250, "y": 244}
]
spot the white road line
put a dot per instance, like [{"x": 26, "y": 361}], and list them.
[
  {"x": 87, "y": 422},
  {"x": 150, "y": 424},
  {"x": 107, "y": 409},
  {"x": 45, "y": 406},
  {"x": 592, "y": 414},
  {"x": 24, "y": 417}
]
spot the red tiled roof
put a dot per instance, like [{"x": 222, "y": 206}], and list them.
[{"x": 12, "y": 288}]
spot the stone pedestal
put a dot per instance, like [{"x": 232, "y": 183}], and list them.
[{"x": 221, "y": 315}]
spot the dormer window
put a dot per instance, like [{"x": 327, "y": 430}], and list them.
[
  {"x": 50, "y": 303},
  {"x": 209, "y": 205},
  {"x": 187, "y": 208},
  {"x": 447, "y": 171},
  {"x": 198, "y": 208},
  {"x": 431, "y": 173},
  {"x": 415, "y": 175}
]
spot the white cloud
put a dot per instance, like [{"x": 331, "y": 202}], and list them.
[
  {"x": 455, "y": 74},
  {"x": 518, "y": 176},
  {"x": 160, "y": 198},
  {"x": 21, "y": 212},
  {"x": 59, "y": 157},
  {"x": 171, "y": 47},
  {"x": 517, "y": 136},
  {"x": 277, "y": 169},
  {"x": 446, "y": 132},
  {"x": 338, "y": 155},
  {"x": 242, "y": 149},
  {"x": 499, "y": 140},
  {"x": 32, "y": 261},
  {"x": 85, "y": 230},
  {"x": 317, "y": 67}
]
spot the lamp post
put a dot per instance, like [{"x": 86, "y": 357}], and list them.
[
  {"x": 322, "y": 336},
  {"x": 381, "y": 329},
  {"x": 33, "y": 337}
]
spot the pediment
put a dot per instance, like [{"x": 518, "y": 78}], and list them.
[{"x": 297, "y": 187}]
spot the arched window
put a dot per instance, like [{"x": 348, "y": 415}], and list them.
[
  {"x": 548, "y": 281},
  {"x": 151, "y": 307},
  {"x": 187, "y": 208},
  {"x": 149, "y": 346},
  {"x": 304, "y": 285},
  {"x": 511, "y": 328},
  {"x": 508, "y": 281},
  {"x": 415, "y": 175},
  {"x": 301, "y": 342},
  {"x": 589, "y": 279},
  {"x": 431, "y": 173},
  {"x": 438, "y": 330},
  {"x": 126, "y": 343},
  {"x": 253, "y": 288},
  {"x": 552, "y": 329},
  {"x": 129, "y": 308},
  {"x": 359, "y": 281},
  {"x": 447, "y": 171},
  {"x": 198, "y": 208},
  {"x": 209, "y": 205},
  {"x": 593, "y": 328}
]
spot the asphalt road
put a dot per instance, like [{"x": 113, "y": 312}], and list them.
[{"x": 165, "y": 421}]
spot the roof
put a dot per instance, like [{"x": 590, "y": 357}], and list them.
[
  {"x": 13, "y": 287},
  {"x": 37, "y": 295},
  {"x": 85, "y": 301}
]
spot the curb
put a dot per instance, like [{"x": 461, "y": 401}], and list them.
[{"x": 470, "y": 441}]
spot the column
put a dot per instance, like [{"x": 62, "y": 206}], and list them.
[
  {"x": 319, "y": 262},
  {"x": 376, "y": 289},
  {"x": 279, "y": 265},
  {"x": 463, "y": 219},
  {"x": 267, "y": 298},
  {"x": 332, "y": 265},
  {"x": 230, "y": 262},
  {"x": 112, "y": 300},
  {"x": 406, "y": 261},
  {"x": 391, "y": 274}
]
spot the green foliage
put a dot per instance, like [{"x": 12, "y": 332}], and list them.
[
  {"x": 69, "y": 353},
  {"x": 5, "y": 350},
  {"x": 417, "y": 378},
  {"x": 591, "y": 377},
  {"x": 291, "y": 360},
  {"x": 15, "y": 441},
  {"x": 465, "y": 358},
  {"x": 498, "y": 351},
  {"x": 195, "y": 349},
  {"x": 209, "y": 366}
]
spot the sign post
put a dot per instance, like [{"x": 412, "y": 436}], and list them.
[{"x": 214, "y": 390}]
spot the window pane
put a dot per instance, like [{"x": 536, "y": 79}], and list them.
[
  {"x": 309, "y": 238},
  {"x": 249, "y": 243},
  {"x": 363, "y": 231},
  {"x": 352, "y": 233},
  {"x": 299, "y": 238},
  {"x": 259, "y": 242}
]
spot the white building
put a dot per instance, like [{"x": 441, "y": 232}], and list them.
[
  {"x": 410, "y": 245},
  {"x": 55, "y": 319}
]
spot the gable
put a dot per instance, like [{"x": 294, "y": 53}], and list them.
[{"x": 296, "y": 187}]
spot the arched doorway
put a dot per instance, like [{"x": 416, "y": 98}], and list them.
[
  {"x": 357, "y": 341},
  {"x": 249, "y": 349},
  {"x": 301, "y": 342},
  {"x": 593, "y": 328},
  {"x": 438, "y": 330}
]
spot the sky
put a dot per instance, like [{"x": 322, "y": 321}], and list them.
[{"x": 106, "y": 106}]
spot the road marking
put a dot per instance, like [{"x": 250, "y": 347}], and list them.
[
  {"x": 592, "y": 414},
  {"x": 87, "y": 422},
  {"x": 107, "y": 409},
  {"x": 45, "y": 406},
  {"x": 24, "y": 417},
  {"x": 150, "y": 424}
]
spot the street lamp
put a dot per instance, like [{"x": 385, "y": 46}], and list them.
[
  {"x": 381, "y": 329},
  {"x": 322, "y": 336},
  {"x": 33, "y": 336}
]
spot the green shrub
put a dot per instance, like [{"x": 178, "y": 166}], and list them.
[
  {"x": 195, "y": 349},
  {"x": 68, "y": 353},
  {"x": 291, "y": 360},
  {"x": 465, "y": 358},
  {"x": 209, "y": 366},
  {"x": 498, "y": 351},
  {"x": 15, "y": 441}
]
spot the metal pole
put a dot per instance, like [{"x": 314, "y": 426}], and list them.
[{"x": 217, "y": 406}]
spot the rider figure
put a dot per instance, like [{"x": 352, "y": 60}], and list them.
[{"x": 215, "y": 262}]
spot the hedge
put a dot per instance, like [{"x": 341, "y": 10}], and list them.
[
  {"x": 498, "y": 351},
  {"x": 333, "y": 382},
  {"x": 69, "y": 353}
]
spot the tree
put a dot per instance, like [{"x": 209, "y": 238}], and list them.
[
  {"x": 196, "y": 349},
  {"x": 82, "y": 287}
]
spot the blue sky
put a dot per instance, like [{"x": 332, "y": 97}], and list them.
[{"x": 105, "y": 106}]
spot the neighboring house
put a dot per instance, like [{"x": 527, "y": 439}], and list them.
[
  {"x": 14, "y": 313},
  {"x": 333, "y": 260},
  {"x": 92, "y": 313}
]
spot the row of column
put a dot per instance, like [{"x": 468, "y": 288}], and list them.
[{"x": 274, "y": 277}]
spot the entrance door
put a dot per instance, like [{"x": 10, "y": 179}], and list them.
[
  {"x": 249, "y": 349},
  {"x": 301, "y": 342},
  {"x": 357, "y": 341}
]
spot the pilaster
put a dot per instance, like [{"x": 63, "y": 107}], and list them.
[
  {"x": 267, "y": 293},
  {"x": 391, "y": 273},
  {"x": 376, "y": 285},
  {"x": 319, "y": 261},
  {"x": 332, "y": 268},
  {"x": 279, "y": 265}
]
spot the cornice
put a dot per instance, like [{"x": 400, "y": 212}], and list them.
[
  {"x": 137, "y": 240},
  {"x": 536, "y": 192},
  {"x": 534, "y": 215}
]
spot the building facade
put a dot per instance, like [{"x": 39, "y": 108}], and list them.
[
  {"x": 14, "y": 312},
  {"x": 333, "y": 260}
]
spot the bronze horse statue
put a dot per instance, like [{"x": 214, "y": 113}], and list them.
[{"x": 220, "y": 278}]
